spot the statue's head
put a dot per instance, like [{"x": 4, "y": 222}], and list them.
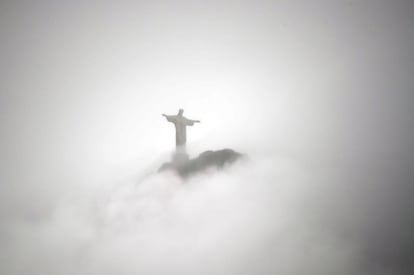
[{"x": 180, "y": 112}]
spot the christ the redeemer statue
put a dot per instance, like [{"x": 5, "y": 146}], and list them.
[{"x": 180, "y": 123}]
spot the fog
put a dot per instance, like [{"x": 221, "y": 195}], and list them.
[{"x": 318, "y": 94}]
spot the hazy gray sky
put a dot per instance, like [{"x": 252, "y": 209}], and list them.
[{"x": 326, "y": 86}]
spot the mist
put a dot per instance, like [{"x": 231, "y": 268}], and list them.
[{"x": 318, "y": 94}]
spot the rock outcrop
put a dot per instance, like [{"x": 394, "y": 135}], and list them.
[{"x": 184, "y": 166}]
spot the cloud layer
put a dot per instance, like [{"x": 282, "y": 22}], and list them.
[{"x": 317, "y": 93}]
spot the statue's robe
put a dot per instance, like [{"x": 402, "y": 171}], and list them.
[{"x": 180, "y": 123}]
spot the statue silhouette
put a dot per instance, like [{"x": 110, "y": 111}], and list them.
[{"x": 180, "y": 123}]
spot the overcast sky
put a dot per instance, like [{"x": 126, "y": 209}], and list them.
[{"x": 326, "y": 86}]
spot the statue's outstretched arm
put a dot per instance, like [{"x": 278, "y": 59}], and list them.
[
  {"x": 169, "y": 118},
  {"x": 191, "y": 122}
]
